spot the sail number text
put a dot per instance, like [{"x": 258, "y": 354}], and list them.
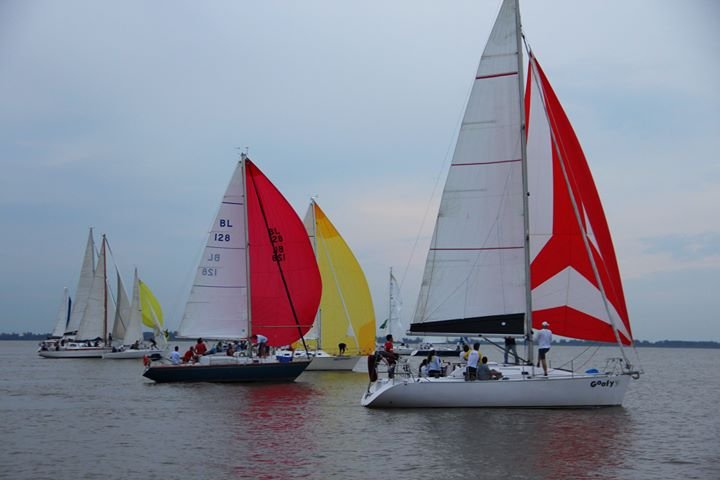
[
  {"x": 223, "y": 237},
  {"x": 275, "y": 239}
]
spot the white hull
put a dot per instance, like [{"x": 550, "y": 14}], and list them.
[
  {"x": 83, "y": 352},
  {"x": 333, "y": 363},
  {"x": 323, "y": 361},
  {"x": 555, "y": 391},
  {"x": 125, "y": 354}
]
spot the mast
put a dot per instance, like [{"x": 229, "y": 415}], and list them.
[
  {"x": 105, "y": 324},
  {"x": 243, "y": 157},
  {"x": 390, "y": 302},
  {"x": 318, "y": 345},
  {"x": 526, "y": 194}
]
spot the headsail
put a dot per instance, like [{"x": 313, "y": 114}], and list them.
[
  {"x": 474, "y": 279},
  {"x": 346, "y": 312},
  {"x": 393, "y": 325},
  {"x": 568, "y": 222},
  {"x": 63, "y": 315},
  {"x": 122, "y": 316},
  {"x": 82, "y": 292},
  {"x": 152, "y": 315},
  {"x": 286, "y": 285}
]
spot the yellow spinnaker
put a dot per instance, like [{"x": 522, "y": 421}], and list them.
[
  {"x": 152, "y": 315},
  {"x": 346, "y": 312}
]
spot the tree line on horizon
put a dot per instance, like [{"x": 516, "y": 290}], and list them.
[{"x": 560, "y": 342}]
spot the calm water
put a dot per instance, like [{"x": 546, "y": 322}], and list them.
[{"x": 101, "y": 419}]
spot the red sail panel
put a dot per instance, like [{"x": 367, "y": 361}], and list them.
[
  {"x": 285, "y": 284},
  {"x": 562, "y": 259}
]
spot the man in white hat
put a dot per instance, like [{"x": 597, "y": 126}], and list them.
[{"x": 543, "y": 338}]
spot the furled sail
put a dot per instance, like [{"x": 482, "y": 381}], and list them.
[
  {"x": 575, "y": 279},
  {"x": 346, "y": 312},
  {"x": 474, "y": 278}
]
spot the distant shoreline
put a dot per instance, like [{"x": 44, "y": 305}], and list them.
[{"x": 562, "y": 342}]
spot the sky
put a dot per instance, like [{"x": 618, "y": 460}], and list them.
[{"x": 128, "y": 116}]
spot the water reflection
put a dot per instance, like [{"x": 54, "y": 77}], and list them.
[{"x": 276, "y": 428}]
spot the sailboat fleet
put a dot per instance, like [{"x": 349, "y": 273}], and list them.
[
  {"x": 520, "y": 240},
  {"x": 94, "y": 324}
]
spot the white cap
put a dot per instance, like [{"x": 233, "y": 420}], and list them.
[{"x": 545, "y": 324}]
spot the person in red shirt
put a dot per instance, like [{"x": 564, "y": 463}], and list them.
[
  {"x": 189, "y": 355},
  {"x": 389, "y": 344},
  {"x": 389, "y": 355},
  {"x": 200, "y": 347}
]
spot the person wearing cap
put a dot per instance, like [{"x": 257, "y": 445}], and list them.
[{"x": 543, "y": 338}]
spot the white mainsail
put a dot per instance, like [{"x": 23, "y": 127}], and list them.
[
  {"x": 82, "y": 292},
  {"x": 93, "y": 323},
  {"x": 218, "y": 303},
  {"x": 474, "y": 279}
]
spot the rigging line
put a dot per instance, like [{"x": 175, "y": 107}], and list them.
[
  {"x": 280, "y": 269},
  {"x": 569, "y": 362}
]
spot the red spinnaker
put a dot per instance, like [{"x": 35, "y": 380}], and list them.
[{"x": 284, "y": 277}]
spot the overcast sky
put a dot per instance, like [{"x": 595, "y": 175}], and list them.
[{"x": 127, "y": 115}]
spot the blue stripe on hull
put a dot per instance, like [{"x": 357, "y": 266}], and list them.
[{"x": 247, "y": 373}]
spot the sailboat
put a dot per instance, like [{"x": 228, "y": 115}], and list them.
[
  {"x": 129, "y": 320},
  {"x": 88, "y": 326},
  {"x": 62, "y": 318},
  {"x": 258, "y": 275},
  {"x": 520, "y": 239},
  {"x": 346, "y": 315}
]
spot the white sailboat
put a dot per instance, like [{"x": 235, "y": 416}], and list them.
[
  {"x": 258, "y": 275},
  {"x": 520, "y": 239},
  {"x": 346, "y": 315},
  {"x": 129, "y": 320},
  {"x": 88, "y": 327},
  {"x": 62, "y": 318}
]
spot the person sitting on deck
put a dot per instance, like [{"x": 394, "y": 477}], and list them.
[
  {"x": 423, "y": 369},
  {"x": 434, "y": 365},
  {"x": 486, "y": 373},
  {"x": 190, "y": 356},
  {"x": 200, "y": 347}
]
